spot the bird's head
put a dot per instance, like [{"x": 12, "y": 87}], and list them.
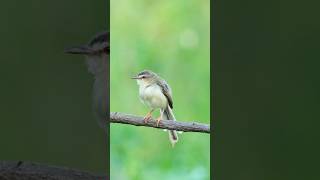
[
  {"x": 145, "y": 77},
  {"x": 98, "y": 45},
  {"x": 97, "y": 53}
]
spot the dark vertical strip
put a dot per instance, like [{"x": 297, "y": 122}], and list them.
[
  {"x": 108, "y": 90},
  {"x": 212, "y": 84}
]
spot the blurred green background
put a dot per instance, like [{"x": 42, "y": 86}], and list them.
[
  {"x": 45, "y": 109},
  {"x": 170, "y": 38}
]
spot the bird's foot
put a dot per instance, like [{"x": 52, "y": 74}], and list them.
[
  {"x": 147, "y": 117},
  {"x": 158, "y": 120}
]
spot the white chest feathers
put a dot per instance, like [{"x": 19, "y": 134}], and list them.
[{"x": 152, "y": 96}]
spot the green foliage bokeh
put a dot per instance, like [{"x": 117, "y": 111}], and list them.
[{"x": 170, "y": 38}]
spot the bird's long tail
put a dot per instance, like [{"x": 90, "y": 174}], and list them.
[{"x": 168, "y": 115}]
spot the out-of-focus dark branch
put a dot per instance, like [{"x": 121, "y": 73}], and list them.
[
  {"x": 117, "y": 117},
  {"x": 10, "y": 170}
]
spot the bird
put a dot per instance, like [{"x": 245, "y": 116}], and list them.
[
  {"x": 156, "y": 93},
  {"x": 97, "y": 52}
]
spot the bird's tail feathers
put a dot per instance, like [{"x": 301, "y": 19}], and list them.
[{"x": 168, "y": 115}]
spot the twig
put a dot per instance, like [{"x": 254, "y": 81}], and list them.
[
  {"x": 29, "y": 170},
  {"x": 117, "y": 117}
]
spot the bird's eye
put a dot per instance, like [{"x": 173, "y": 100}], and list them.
[
  {"x": 143, "y": 77},
  {"x": 106, "y": 50}
]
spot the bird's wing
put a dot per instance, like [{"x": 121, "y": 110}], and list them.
[{"x": 166, "y": 91}]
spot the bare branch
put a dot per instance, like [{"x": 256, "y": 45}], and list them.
[
  {"x": 28, "y": 170},
  {"x": 116, "y": 117}
]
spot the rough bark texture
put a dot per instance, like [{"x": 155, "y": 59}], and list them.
[
  {"x": 116, "y": 117},
  {"x": 12, "y": 170}
]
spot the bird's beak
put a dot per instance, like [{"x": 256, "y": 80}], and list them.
[
  {"x": 78, "y": 50},
  {"x": 136, "y": 77}
]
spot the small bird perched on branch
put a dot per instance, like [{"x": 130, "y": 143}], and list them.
[
  {"x": 156, "y": 93},
  {"x": 97, "y": 53}
]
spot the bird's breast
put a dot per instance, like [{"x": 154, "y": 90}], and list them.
[
  {"x": 100, "y": 100},
  {"x": 153, "y": 97}
]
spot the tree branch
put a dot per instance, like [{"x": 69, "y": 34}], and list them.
[
  {"x": 117, "y": 117},
  {"x": 28, "y": 170}
]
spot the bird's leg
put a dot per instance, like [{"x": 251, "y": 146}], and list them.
[
  {"x": 159, "y": 118},
  {"x": 148, "y": 116}
]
